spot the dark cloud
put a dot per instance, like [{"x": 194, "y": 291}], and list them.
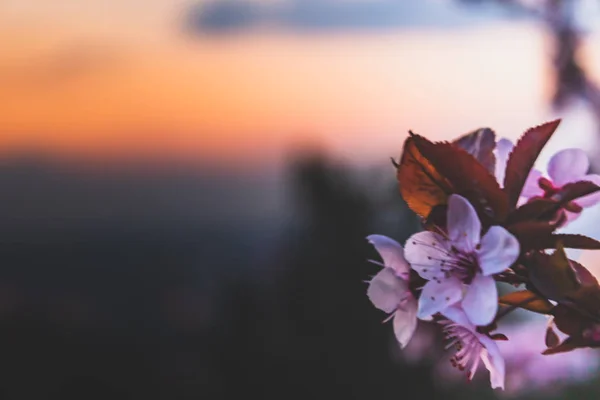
[{"x": 225, "y": 16}]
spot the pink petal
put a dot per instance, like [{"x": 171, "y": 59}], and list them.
[
  {"x": 591, "y": 199},
  {"x": 456, "y": 314},
  {"x": 386, "y": 290},
  {"x": 568, "y": 165},
  {"x": 405, "y": 322},
  {"x": 481, "y": 301},
  {"x": 391, "y": 253},
  {"x": 437, "y": 295},
  {"x": 426, "y": 252},
  {"x": 493, "y": 361},
  {"x": 531, "y": 187},
  {"x": 502, "y": 151},
  {"x": 499, "y": 250},
  {"x": 464, "y": 228}
]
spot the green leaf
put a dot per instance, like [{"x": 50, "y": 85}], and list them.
[{"x": 527, "y": 300}]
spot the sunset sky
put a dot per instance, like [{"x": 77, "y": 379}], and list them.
[{"x": 122, "y": 78}]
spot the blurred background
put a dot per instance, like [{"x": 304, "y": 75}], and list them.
[{"x": 186, "y": 187}]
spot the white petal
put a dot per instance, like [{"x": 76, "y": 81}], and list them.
[
  {"x": 464, "y": 228},
  {"x": 456, "y": 314},
  {"x": 499, "y": 250},
  {"x": 481, "y": 301},
  {"x": 568, "y": 165},
  {"x": 427, "y": 252},
  {"x": 502, "y": 151},
  {"x": 591, "y": 199},
  {"x": 438, "y": 295},
  {"x": 391, "y": 253},
  {"x": 493, "y": 361},
  {"x": 532, "y": 187},
  {"x": 386, "y": 290},
  {"x": 405, "y": 321}
]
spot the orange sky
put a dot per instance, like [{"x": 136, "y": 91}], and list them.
[{"x": 107, "y": 82}]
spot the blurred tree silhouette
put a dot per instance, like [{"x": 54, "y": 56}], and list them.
[{"x": 326, "y": 339}]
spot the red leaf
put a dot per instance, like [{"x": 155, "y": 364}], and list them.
[
  {"x": 569, "y": 321},
  {"x": 552, "y": 339},
  {"x": 552, "y": 274},
  {"x": 436, "y": 218},
  {"x": 546, "y": 209},
  {"x": 586, "y": 298},
  {"x": 467, "y": 176},
  {"x": 499, "y": 336},
  {"x": 532, "y": 235},
  {"x": 532, "y": 210},
  {"x": 480, "y": 143},
  {"x": 569, "y": 344},
  {"x": 584, "y": 276},
  {"x": 523, "y": 157},
  {"x": 573, "y": 191},
  {"x": 539, "y": 235},
  {"x": 527, "y": 300},
  {"x": 570, "y": 241},
  {"x": 421, "y": 185}
]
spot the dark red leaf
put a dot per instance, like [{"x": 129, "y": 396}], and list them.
[
  {"x": 567, "y": 345},
  {"x": 546, "y": 209},
  {"x": 552, "y": 339},
  {"x": 467, "y": 176},
  {"x": 586, "y": 298},
  {"x": 570, "y": 241},
  {"x": 532, "y": 235},
  {"x": 573, "y": 191},
  {"x": 499, "y": 336},
  {"x": 480, "y": 143},
  {"x": 532, "y": 210},
  {"x": 421, "y": 185},
  {"x": 552, "y": 274},
  {"x": 584, "y": 276},
  {"x": 436, "y": 218},
  {"x": 523, "y": 157},
  {"x": 569, "y": 321},
  {"x": 527, "y": 300}
]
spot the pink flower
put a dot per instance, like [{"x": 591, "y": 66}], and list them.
[
  {"x": 566, "y": 166},
  {"x": 472, "y": 346},
  {"x": 459, "y": 266},
  {"x": 389, "y": 290}
]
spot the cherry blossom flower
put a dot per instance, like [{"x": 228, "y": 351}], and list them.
[
  {"x": 389, "y": 290},
  {"x": 459, "y": 265},
  {"x": 472, "y": 347},
  {"x": 566, "y": 166}
]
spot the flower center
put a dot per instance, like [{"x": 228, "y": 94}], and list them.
[{"x": 463, "y": 267}]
